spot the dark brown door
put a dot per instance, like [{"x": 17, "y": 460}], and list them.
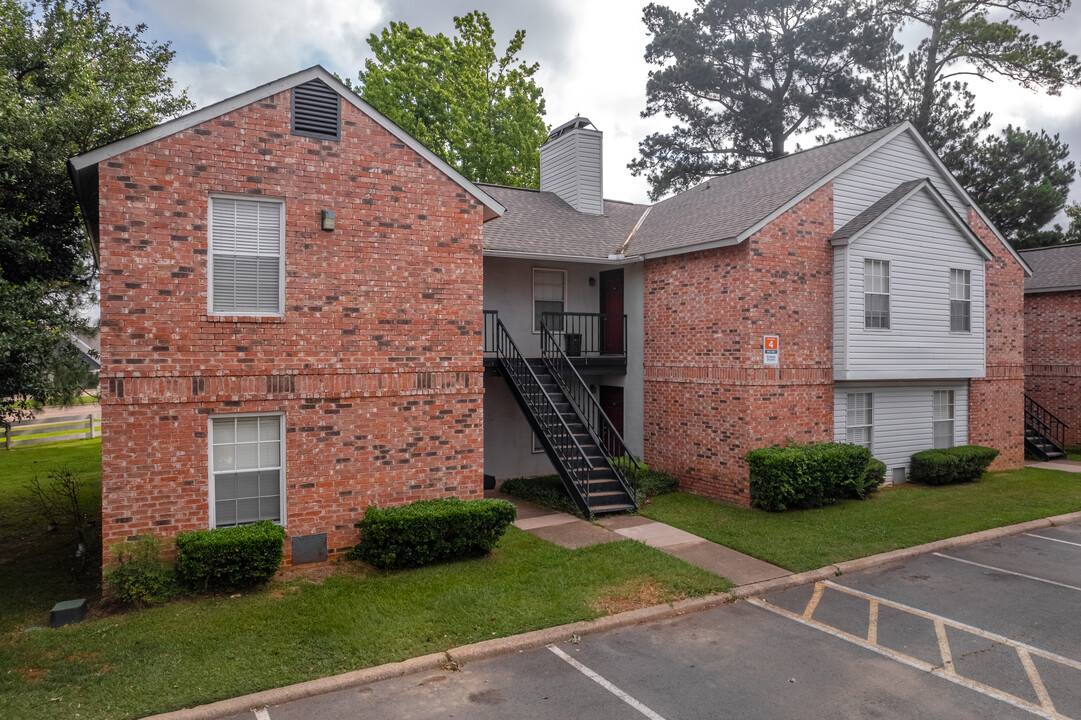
[
  {"x": 612, "y": 312},
  {"x": 611, "y": 400}
]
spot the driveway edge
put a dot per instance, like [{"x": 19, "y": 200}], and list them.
[{"x": 527, "y": 641}]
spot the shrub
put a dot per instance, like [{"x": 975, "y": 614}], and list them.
[
  {"x": 651, "y": 483},
  {"x": 544, "y": 490},
  {"x": 806, "y": 476},
  {"x": 139, "y": 575},
  {"x": 230, "y": 558},
  {"x": 872, "y": 479},
  {"x": 951, "y": 465},
  {"x": 431, "y": 531}
]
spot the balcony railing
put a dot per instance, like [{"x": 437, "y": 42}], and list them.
[{"x": 588, "y": 334}]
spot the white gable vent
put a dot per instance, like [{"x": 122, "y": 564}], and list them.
[{"x": 317, "y": 111}]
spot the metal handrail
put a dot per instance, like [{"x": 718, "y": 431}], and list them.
[
  {"x": 488, "y": 332},
  {"x": 590, "y": 327},
  {"x": 589, "y": 409},
  {"x": 1053, "y": 429},
  {"x": 504, "y": 344}
]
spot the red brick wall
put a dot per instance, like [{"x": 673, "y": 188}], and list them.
[
  {"x": 996, "y": 402},
  {"x": 1053, "y": 355},
  {"x": 708, "y": 396},
  {"x": 376, "y": 363}
]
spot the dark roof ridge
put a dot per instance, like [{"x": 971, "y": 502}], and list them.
[{"x": 1051, "y": 247}]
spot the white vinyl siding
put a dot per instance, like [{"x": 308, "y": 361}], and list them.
[
  {"x": 246, "y": 239},
  {"x": 942, "y": 418},
  {"x": 901, "y": 159},
  {"x": 921, "y": 244},
  {"x": 571, "y": 167},
  {"x": 903, "y": 418},
  {"x": 247, "y": 469},
  {"x": 960, "y": 300},
  {"x": 860, "y": 419},
  {"x": 549, "y": 295},
  {"x": 876, "y": 294}
]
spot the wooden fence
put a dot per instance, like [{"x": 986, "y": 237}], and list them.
[{"x": 69, "y": 427}]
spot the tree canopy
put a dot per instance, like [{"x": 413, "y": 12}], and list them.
[
  {"x": 480, "y": 111},
  {"x": 740, "y": 77},
  {"x": 70, "y": 80}
]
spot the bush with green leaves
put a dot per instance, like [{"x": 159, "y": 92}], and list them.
[
  {"x": 872, "y": 479},
  {"x": 949, "y": 466},
  {"x": 230, "y": 558},
  {"x": 651, "y": 483},
  {"x": 807, "y": 476},
  {"x": 544, "y": 490},
  {"x": 140, "y": 575},
  {"x": 431, "y": 531}
]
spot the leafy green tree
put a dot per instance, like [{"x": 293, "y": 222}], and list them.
[
  {"x": 70, "y": 80},
  {"x": 480, "y": 111},
  {"x": 740, "y": 77},
  {"x": 1020, "y": 179}
]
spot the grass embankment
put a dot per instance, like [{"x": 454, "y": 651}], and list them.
[
  {"x": 339, "y": 619},
  {"x": 894, "y": 518}
]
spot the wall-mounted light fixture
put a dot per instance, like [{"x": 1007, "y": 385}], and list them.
[
  {"x": 326, "y": 220},
  {"x": 592, "y": 281}
]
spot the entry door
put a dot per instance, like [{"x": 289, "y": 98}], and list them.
[
  {"x": 612, "y": 312},
  {"x": 611, "y": 400}
]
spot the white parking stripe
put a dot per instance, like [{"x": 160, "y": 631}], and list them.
[
  {"x": 605, "y": 684},
  {"x": 1009, "y": 572},
  {"x": 261, "y": 714},
  {"x": 1044, "y": 537},
  {"x": 911, "y": 662}
]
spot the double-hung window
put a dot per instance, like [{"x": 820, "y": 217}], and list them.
[
  {"x": 876, "y": 294},
  {"x": 942, "y": 418},
  {"x": 246, "y": 256},
  {"x": 861, "y": 419},
  {"x": 549, "y": 296},
  {"x": 247, "y": 469},
  {"x": 960, "y": 300}
]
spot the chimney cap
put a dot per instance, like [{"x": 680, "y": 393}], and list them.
[{"x": 578, "y": 123}]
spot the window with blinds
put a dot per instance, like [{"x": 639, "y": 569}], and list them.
[
  {"x": 549, "y": 296},
  {"x": 246, "y": 248},
  {"x": 876, "y": 294},
  {"x": 960, "y": 301},
  {"x": 246, "y": 469},
  {"x": 942, "y": 418},
  {"x": 860, "y": 419}
]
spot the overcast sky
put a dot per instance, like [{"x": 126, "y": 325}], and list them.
[{"x": 590, "y": 55}]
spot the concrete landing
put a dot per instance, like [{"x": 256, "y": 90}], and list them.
[
  {"x": 1067, "y": 465},
  {"x": 573, "y": 532}
]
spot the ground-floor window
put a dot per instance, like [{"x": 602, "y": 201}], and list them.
[
  {"x": 942, "y": 418},
  {"x": 861, "y": 419},
  {"x": 247, "y": 469},
  {"x": 536, "y": 448}
]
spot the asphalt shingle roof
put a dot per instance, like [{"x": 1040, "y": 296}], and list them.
[
  {"x": 542, "y": 223},
  {"x": 1053, "y": 268},
  {"x": 880, "y": 206}
]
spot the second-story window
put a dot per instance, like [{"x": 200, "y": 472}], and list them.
[
  {"x": 876, "y": 294},
  {"x": 246, "y": 248},
  {"x": 960, "y": 300},
  {"x": 549, "y": 295}
]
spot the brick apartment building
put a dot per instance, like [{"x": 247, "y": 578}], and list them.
[
  {"x": 305, "y": 312},
  {"x": 1053, "y": 334}
]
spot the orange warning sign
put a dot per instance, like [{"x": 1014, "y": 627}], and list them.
[{"x": 771, "y": 349}]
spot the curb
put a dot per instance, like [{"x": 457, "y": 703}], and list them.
[{"x": 526, "y": 641}]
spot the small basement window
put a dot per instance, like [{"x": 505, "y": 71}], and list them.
[{"x": 317, "y": 111}]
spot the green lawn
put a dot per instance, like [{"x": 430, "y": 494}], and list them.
[
  {"x": 197, "y": 651},
  {"x": 894, "y": 518}
]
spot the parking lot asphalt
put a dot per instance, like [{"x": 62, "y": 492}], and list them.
[{"x": 988, "y": 630}]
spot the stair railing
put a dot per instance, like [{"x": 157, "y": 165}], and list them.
[
  {"x": 1045, "y": 423},
  {"x": 600, "y": 426},
  {"x": 554, "y": 429}
]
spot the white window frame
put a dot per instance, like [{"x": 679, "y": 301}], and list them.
[
  {"x": 210, "y": 462},
  {"x": 210, "y": 256},
  {"x": 535, "y": 448},
  {"x": 966, "y": 297},
  {"x": 868, "y": 264},
  {"x": 951, "y": 419},
  {"x": 533, "y": 288},
  {"x": 870, "y": 426}
]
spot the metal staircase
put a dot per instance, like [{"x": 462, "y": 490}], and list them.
[
  {"x": 596, "y": 468},
  {"x": 1045, "y": 434}
]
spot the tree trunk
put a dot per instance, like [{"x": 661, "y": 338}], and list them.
[{"x": 930, "y": 72}]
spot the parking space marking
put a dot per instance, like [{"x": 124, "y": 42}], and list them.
[
  {"x": 1044, "y": 537},
  {"x": 261, "y": 714},
  {"x": 1008, "y": 572},
  {"x": 944, "y": 648},
  {"x": 1036, "y": 680},
  {"x": 605, "y": 684},
  {"x": 912, "y": 662},
  {"x": 872, "y": 623},
  {"x": 815, "y": 599}
]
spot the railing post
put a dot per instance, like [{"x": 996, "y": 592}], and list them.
[{"x": 7, "y": 438}]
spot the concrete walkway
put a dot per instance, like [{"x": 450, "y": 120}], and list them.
[
  {"x": 573, "y": 532},
  {"x": 1067, "y": 465}
]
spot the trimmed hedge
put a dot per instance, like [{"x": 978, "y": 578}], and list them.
[
  {"x": 808, "y": 476},
  {"x": 951, "y": 465},
  {"x": 230, "y": 558},
  {"x": 431, "y": 531}
]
